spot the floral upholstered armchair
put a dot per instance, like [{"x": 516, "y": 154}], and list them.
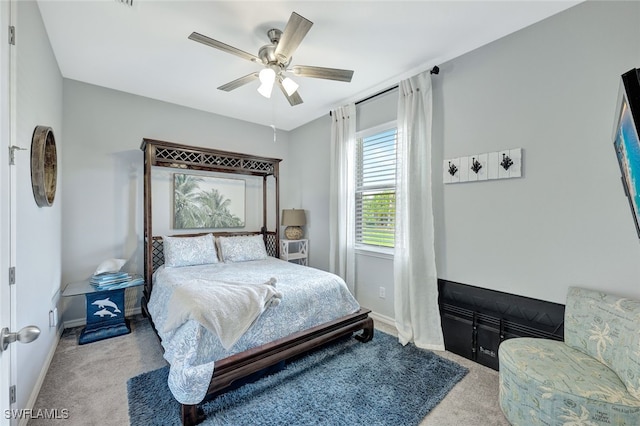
[{"x": 592, "y": 378}]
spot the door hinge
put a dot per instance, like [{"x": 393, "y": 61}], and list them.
[
  {"x": 12, "y": 275},
  {"x": 12, "y": 394},
  {"x": 12, "y": 35}
]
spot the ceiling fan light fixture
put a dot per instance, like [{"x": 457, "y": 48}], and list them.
[
  {"x": 267, "y": 77},
  {"x": 290, "y": 86},
  {"x": 276, "y": 58}
]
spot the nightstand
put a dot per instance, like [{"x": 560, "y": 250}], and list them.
[
  {"x": 296, "y": 251},
  {"x": 105, "y": 311}
]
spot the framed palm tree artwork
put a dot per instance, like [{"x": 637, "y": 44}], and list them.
[{"x": 208, "y": 202}]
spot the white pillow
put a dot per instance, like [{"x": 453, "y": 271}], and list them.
[
  {"x": 242, "y": 248},
  {"x": 187, "y": 251}
]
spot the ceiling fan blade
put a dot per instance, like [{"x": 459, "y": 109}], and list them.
[
  {"x": 296, "y": 29},
  {"x": 320, "y": 72},
  {"x": 222, "y": 46},
  {"x": 294, "y": 99},
  {"x": 239, "y": 82}
]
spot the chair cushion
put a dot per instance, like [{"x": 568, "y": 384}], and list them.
[
  {"x": 607, "y": 328},
  {"x": 547, "y": 382}
]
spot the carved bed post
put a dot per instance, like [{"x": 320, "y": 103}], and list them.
[
  {"x": 276, "y": 176},
  {"x": 264, "y": 210},
  {"x": 149, "y": 152},
  {"x": 192, "y": 415}
]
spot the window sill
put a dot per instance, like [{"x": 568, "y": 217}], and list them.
[{"x": 380, "y": 252}]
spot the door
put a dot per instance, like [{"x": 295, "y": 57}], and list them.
[
  {"x": 5, "y": 235},
  {"x": 8, "y": 178}
]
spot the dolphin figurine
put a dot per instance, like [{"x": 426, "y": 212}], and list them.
[
  {"x": 104, "y": 312},
  {"x": 106, "y": 302}
]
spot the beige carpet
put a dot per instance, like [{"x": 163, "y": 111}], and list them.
[{"x": 90, "y": 381}]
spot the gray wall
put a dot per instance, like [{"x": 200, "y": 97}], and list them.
[
  {"x": 38, "y": 230},
  {"x": 308, "y": 187},
  {"x": 549, "y": 89},
  {"x": 102, "y": 216}
]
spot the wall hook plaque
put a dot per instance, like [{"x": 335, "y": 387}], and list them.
[
  {"x": 475, "y": 165},
  {"x": 506, "y": 162},
  {"x": 479, "y": 167},
  {"x": 452, "y": 169}
]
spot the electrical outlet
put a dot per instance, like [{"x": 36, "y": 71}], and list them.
[{"x": 383, "y": 293}]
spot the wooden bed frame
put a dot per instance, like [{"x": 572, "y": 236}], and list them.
[{"x": 233, "y": 368}]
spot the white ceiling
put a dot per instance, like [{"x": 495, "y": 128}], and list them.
[{"x": 143, "y": 49}]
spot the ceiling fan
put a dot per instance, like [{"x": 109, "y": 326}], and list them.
[{"x": 276, "y": 58}]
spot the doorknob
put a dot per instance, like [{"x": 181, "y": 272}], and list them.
[{"x": 27, "y": 335}]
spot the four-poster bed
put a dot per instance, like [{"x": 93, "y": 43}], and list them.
[{"x": 239, "y": 365}]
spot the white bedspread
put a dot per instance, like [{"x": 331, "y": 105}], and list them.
[
  {"x": 226, "y": 308},
  {"x": 310, "y": 297}
]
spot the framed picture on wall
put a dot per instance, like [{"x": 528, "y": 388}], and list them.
[{"x": 208, "y": 202}]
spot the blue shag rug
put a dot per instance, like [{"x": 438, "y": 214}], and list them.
[{"x": 346, "y": 383}]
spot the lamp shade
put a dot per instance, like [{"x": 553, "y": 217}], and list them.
[
  {"x": 293, "y": 217},
  {"x": 290, "y": 86},
  {"x": 267, "y": 77}
]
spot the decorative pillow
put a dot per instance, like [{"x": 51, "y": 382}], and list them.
[
  {"x": 242, "y": 248},
  {"x": 186, "y": 251}
]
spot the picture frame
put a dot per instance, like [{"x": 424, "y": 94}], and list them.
[{"x": 207, "y": 202}]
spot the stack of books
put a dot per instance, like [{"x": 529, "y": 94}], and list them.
[{"x": 114, "y": 280}]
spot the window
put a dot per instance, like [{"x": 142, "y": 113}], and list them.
[{"x": 375, "y": 190}]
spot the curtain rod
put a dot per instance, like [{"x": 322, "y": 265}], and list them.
[{"x": 434, "y": 70}]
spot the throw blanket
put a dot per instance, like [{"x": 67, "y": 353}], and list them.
[{"x": 225, "y": 308}]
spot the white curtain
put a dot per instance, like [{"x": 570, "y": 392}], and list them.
[
  {"x": 342, "y": 194},
  {"x": 415, "y": 279}
]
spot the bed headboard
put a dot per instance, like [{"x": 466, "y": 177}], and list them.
[
  {"x": 270, "y": 243},
  {"x": 185, "y": 157}
]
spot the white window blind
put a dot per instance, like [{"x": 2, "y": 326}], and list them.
[{"x": 376, "y": 188}]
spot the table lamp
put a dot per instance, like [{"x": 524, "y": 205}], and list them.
[{"x": 293, "y": 219}]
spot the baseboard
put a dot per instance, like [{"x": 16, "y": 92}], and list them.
[
  {"x": 43, "y": 373},
  {"x": 79, "y": 322},
  {"x": 383, "y": 319}
]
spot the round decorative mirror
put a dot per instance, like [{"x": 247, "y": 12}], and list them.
[{"x": 44, "y": 166}]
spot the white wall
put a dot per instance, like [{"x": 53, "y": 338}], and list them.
[
  {"x": 102, "y": 216},
  {"x": 38, "y": 233},
  {"x": 551, "y": 90}
]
